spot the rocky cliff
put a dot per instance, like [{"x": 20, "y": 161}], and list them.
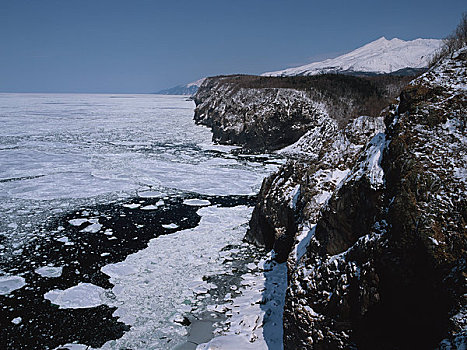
[
  {"x": 370, "y": 210},
  {"x": 371, "y": 219},
  {"x": 269, "y": 113}
]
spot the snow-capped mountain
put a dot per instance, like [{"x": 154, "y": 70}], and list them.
[
  {"x": 187, "y": 89},
  {"x": 380, "y": 56}
]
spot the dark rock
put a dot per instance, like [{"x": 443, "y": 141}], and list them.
[
  {"x": 184, "y": 322},
  {"x": 386, "y": 267}
]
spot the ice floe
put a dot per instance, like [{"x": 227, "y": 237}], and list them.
[
  {"x": 77, "y": 222},
  {"x": 93, "y": 228},
  {"x": 197, "y": 202},
  {"x": 9, "y": 284},
  {"x": 16, "y": 320},
  {"x": 62, "y": 163},
  {"x": 149, "y": 207},
  {"x": 49, "y": 271},
  {"x": 255, "y": 315},
  {"x": 132, "y": 205},
  {"x": 170, "y": 226},
  {"x": 83, "y": 295}
]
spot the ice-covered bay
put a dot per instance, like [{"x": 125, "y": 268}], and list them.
[
  {"x": 85, "y": 182},
  {"x": 60, "y": 151}
]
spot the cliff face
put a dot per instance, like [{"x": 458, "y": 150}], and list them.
[
  {"x": 266, "y": 113},
  {"x": 381, "y": 261},
  {"x": 293, "y": 196},
  {"x": 370, "y": 213}
]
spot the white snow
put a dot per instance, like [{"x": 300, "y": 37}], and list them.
[
  {"x": 371, "y": 164},
  {"x": 303, "y": 239},
  {"x": 83, "y": 295},
  {"x": 10, "y": 283},
  {"x": 294, "y": 196},
  {"x": 379, "y": 56},
  {"x": 49, "y": 271}
]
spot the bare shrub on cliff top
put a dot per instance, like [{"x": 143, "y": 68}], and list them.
[{"x": 455, "y": 41}]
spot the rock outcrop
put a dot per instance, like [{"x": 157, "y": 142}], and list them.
[
  {"x": 385, "y": 259},
  {"x": 293, "y": 196},
  {"x": 269, "y": 113}
]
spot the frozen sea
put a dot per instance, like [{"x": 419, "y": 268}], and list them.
[{"x": 117, "y": 213}]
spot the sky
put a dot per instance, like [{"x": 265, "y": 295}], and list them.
[{"x": 142, "y": 46}]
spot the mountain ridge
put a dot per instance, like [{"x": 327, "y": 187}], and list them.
[{"x": 381, "y": 56}]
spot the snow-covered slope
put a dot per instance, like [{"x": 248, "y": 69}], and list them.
[
  {"x": 379, "y": 56},
  {"x": 187, "y": 89}
]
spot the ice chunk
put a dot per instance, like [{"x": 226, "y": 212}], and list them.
[
  {"x": 62, "y": 239},
  {"x": 169, "y": 226},
  {"x": 118, "y": 270},
  {"x": 93, "y": 228},
  {"x": 132, "y": 205},
  {"x": 13, "y": 225},
  {"x": 10, "y": 283},
  {"x": 77, "y": 222},
  {"x": 16, "y": 320},
  {"x": 149, "y": 207},
  {"x": 196, "y": 202},
  {"x": 83, "y": 295},
  {"x": 73, "y": 347},
  {"x": 49, "y": 271}
]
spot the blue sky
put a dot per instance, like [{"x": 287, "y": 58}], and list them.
[{"x": 144, "y": 46}]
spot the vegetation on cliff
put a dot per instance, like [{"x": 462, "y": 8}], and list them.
[{"x": 268, "y": 113}]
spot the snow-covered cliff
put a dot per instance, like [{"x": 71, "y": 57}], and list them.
[{"x": 375, "y": 233}]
